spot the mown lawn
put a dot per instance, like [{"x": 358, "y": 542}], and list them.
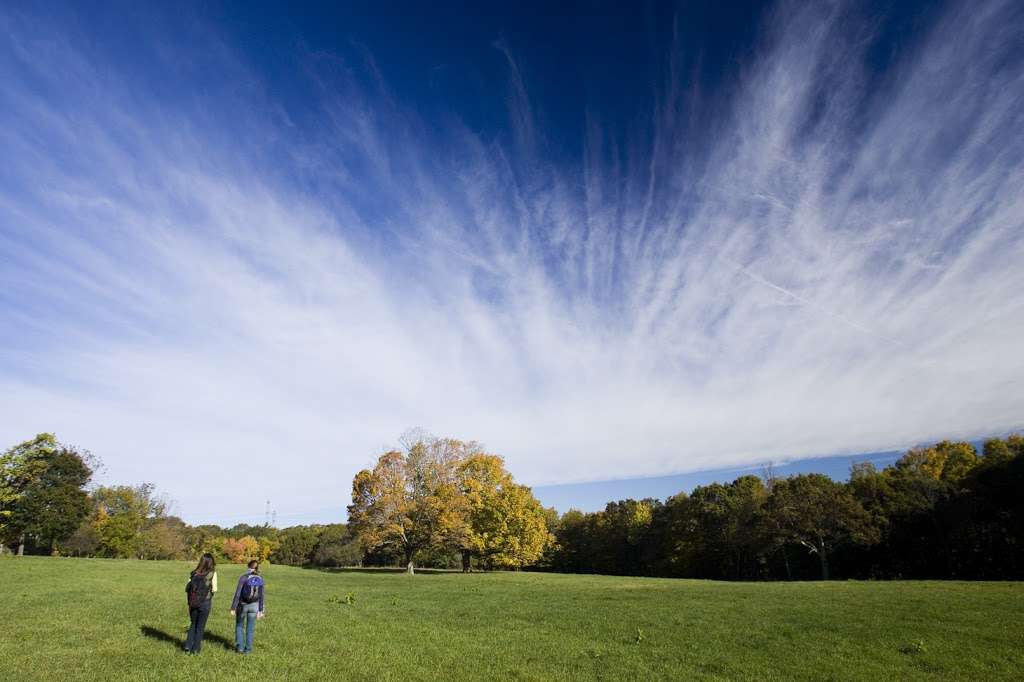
[{"x": 79, "y": 619}]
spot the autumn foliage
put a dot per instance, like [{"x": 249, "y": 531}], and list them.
[{"x": 448, "y": 495}]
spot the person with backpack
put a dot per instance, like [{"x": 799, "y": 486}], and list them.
[
  {"x": 247, "y": 607},
  {"x": 201, "y": 586}
]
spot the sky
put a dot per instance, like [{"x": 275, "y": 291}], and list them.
[{"x": 628, "y": 247}]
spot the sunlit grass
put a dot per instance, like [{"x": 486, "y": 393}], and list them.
[{"x": 77, "y": 619}]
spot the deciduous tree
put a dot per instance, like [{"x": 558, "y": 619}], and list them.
[
  {"x": 296, "y": 546},
  {"x": 410, "y": 500},
  {"x": 817, "y": 513},
  {"x": 336, "y": 547},
  {"x": 241, "y": 550},
  {"x": 122, "y": 515},
  {"x": 53, "y": 505},
  {"x": 505, "y": 525},
  {"x": 19, "y": 467},
  {"x": 42, "y": 491}
]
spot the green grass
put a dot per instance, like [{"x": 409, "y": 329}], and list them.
[{"x": 79, "y": 619}]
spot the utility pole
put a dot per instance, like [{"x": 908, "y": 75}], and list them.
[{"x": 266, "y": 515}]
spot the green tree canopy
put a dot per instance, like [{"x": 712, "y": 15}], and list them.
[
  {"x": 42, "y": 491},
  {"x": 818, "y": 514},
  {"x": 124, "y": 514},
  {"x": 19, "y": 467},
  {"x": 295, "y": 546},
  {"x": 53, "y": 505}
]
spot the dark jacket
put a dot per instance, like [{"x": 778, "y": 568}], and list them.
[{"x": 211, "y": 586}]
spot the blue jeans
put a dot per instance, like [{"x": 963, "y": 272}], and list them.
[
  {"x": 245, "y": 615},
  {"x": 197, "y": 616}
]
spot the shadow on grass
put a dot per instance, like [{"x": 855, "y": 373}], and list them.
[{"x": 179, "y": 642}]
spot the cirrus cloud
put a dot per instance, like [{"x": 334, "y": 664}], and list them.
[{"x": 819, "y": 260}]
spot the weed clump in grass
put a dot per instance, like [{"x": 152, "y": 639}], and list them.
[
  {"x": 639, "y": 635},
  {"x": 349, "y": 599},
  {"x": 914, "y": 648}
]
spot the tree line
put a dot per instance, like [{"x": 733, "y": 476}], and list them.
[
  {"x": 438, "y": 502},
  {"x": 938, "y": 512},
  {"x": 943, "y": 511},
  {"x": 46, "y": 507}
]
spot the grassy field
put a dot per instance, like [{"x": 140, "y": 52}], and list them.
[{"x": 78, "y": 619}]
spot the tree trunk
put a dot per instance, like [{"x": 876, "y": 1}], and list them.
[
  {"x": 823, "y": 557},
  {"x": 466, "y": 568},
  {"x": 21, "y": 546},
  {"x": 785, "y": 560},
  {"x": 408, "y": 561},
  {"x": 409, "y": 568}
]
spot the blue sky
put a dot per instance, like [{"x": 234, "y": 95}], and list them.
[{"x": 617, "y": 246}]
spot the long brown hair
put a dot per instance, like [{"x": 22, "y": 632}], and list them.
[{"x": 206, "y": 564}]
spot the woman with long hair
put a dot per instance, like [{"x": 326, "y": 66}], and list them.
[{"x": 202, "y": 585}]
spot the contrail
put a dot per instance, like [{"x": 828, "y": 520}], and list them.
[{"x": 804, "y": 301}]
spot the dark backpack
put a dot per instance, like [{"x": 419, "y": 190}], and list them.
[
  {"x": 251, "y": 589},
  {"x": 199, "y": 589}
]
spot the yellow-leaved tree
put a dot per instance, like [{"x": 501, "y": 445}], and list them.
[
  {"x": 410, "y": 501},
  {"x": 242, "y": 550},
  {"x": 506, "y": 527},
  {"x": 444, "y": 493}
]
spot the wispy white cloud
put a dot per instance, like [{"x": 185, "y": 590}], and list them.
[{"x": 837, "y": 269}]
